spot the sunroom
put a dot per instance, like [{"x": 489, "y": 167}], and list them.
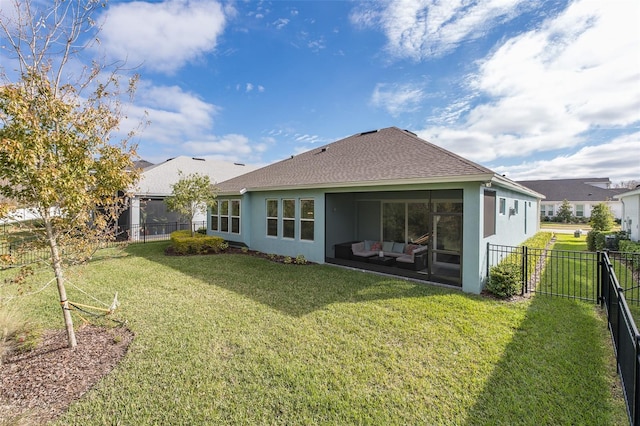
[{"x": 416, "y": 234}]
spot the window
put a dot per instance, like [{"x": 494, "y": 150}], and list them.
[
  {"x": 307, "y": 220},
  {"x": 272, "y": 218},
  {"x": 235, "y": 216},
  {"x": 214, "y": 217},
  {"x": 550, "y": 210},
  {"x": 515, "y": 206},
  {"x": 489, "y": 213},
  {"x": 579, "y": 210},
  {"x": 289, "y": 218},
  {"x": 225, "y": 216},
  {"x": 503, "y": 206}
]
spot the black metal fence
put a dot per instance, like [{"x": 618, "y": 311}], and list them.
[
  {"x": 27, "y": 251},
  {"x": 609, "y": 278},
  {"x": 565, "y": 273},
  {"x": 145, "y": 232},
  {"x": 625, "y": 337},
  {"x": 23, "y": 251}
]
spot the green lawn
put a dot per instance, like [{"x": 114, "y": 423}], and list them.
[{"x": 232, "y": 339}]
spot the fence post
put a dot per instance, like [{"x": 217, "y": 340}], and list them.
[
  {"x": 636, "y": 381},
  {"x": 525, "y": 260},
  {"x": 600, "y": 289},
  {"x": 488, "y": 258}
]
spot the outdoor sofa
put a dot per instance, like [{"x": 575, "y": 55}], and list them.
[{"x": 407, "y": 256}]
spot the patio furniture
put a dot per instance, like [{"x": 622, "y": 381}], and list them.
[
  {"x": 416, "y": 261},
  {"x": 407, "y": 256},
  {"x": 382, "y": 260}
]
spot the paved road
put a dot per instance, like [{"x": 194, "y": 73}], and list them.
[{"x": 562, "y": 230}]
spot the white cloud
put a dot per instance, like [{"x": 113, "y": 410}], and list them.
[
  {"x": 419, "y": 29},
  {"x": 280, "y": 23},
  {"x": 616, "y": 159},
  {"x": 232, "y": 145},
  {"x": 546, "y": 89},
  {"x": 174, "y": 115},
  {"x": 397, "y": 98},
  {"x": 162, "y": 36},
  {"x": 181, "y": 123}
]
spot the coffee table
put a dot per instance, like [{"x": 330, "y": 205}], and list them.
[{"x": 384, "y": 260}]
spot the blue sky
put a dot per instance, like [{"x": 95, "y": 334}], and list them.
[{"x": 530, "y": 89}]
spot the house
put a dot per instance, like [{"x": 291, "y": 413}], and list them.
[
  {"x": 582, "y": 195},
  {"x": 386, "y": 186},
  {"x": 631, "y": 212},
  {"x": 147, "y": 206}
]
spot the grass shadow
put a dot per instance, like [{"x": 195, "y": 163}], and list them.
[
  {"x": 555, "y": 370},
  {"x": 279, "y": 286}
]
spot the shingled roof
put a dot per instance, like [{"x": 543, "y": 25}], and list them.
[
  {"x": 573, "y": 189},
  {"x": 386, "y": 156},
  {"x": 158, "y": 178}
]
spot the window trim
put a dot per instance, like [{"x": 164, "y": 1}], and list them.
[
  {"x": 272, "y": 217},
  {"x": 306, "y": 220},
  {"x": 217, "y": 216},
  {"x": 232, "y": 216},
  {"x": 288, "y": 218},
  {"x": 502, "y": 206}
]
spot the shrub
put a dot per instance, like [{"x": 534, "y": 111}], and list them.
[
  {"x": 300, "y": 260},
  {"x": 505, "y": 280},
  {"x": 629, "y": 246},
  {"x": 184, "y": 243},
  {"x": 601, "y": 217},
  {"x": 287, "y": 260},
  {"x": 595, "y": 240},
  {"x": 202, "y": 231},
  {"x": 539, "y": 240}
]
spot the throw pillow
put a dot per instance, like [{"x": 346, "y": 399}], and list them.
[
  {"x": 377, "y": 246},
  {"x": 410, "y": 248},
  {"x": 398, "y": 247},
  {"x": 387, "y": 246}
]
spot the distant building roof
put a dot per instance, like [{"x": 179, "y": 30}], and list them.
[
  {"x": 142, "y": 164},
  {"x": 379, "y": 157},
  {"x": 586, "y": 189},
  {"x": 156, "y": 180}
]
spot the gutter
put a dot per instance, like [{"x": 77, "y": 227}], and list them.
[{"x": 365, "y": 184}]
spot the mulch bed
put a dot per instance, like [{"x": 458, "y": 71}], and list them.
[
  {"x": 39, "y": 385},
  {"x": 169, "y": 251}
]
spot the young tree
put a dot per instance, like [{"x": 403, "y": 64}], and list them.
[
  {"x": 564, "y": 212},
  {"x": 56, "y": 154},
  {"x": 191, "y": 195},
  {"x": 601, "y": 217}
]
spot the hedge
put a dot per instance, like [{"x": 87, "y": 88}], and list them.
[
  {"x": 185, "y": 243},
  {"x": 506, "y": 277},
  {"x": 629, "y": 246}
]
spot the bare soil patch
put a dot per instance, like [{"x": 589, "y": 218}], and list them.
[{"x": 39, "y": 385}]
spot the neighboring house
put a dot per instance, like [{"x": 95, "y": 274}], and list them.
[
  {"x": 388, "y": 186},
  {"x": 582, "y": 195},
  {"x": 631, "y": 212},
  {"x": 148, "y": 206}
]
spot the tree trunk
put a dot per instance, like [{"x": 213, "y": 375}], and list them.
[{"x": 62, "y": 292}]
